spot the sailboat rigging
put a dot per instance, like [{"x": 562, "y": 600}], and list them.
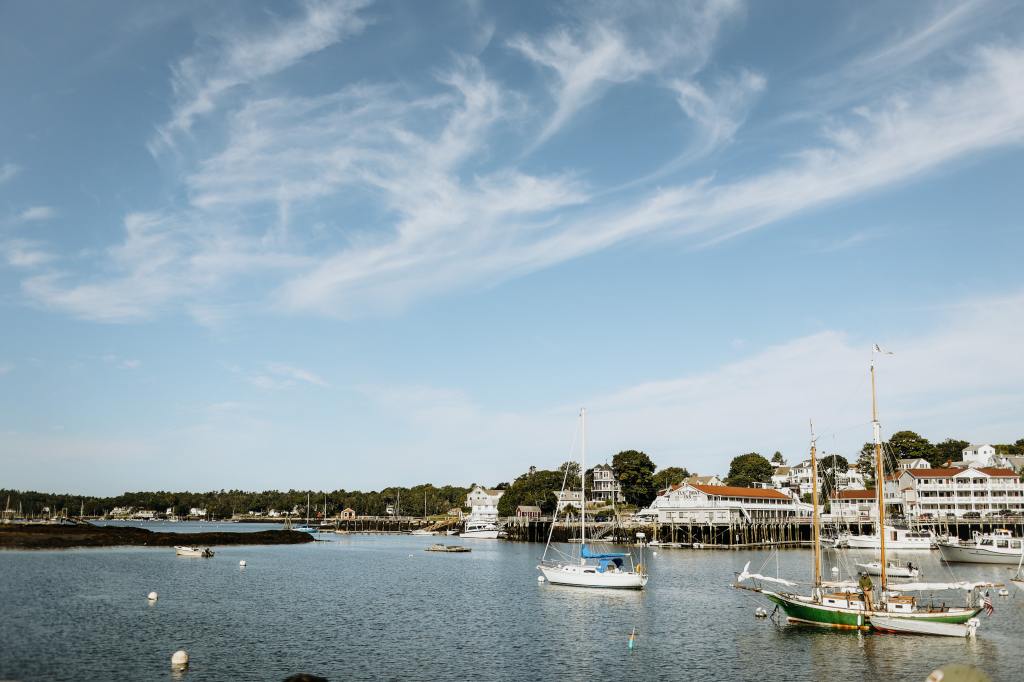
[{"x": 590, "y": 568}]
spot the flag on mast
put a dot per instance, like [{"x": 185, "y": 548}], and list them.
[{"x": 878, "y": 349}]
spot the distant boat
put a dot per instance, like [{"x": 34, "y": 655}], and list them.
[
  {"x": 307, "y": 528},
  {"x": 893, "y": 569},
  {"x": 482, "y": 530},
  {"x": 422, "y": 531},
  {"x": 997, "y": 547},
  {"x": 895, "y": 538},
  {"x": 204, "y": 552}
]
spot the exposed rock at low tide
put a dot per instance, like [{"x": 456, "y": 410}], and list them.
[{"x": 61, "y": 537}]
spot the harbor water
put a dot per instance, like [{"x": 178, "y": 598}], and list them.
[{"x": 366, "y": 607}]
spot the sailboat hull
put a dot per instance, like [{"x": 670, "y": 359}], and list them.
[
  {"x": 577, "y": 576},
  {"x": 802, "y": 611}
]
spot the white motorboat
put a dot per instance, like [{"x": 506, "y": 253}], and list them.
[
  {"x": 893, "y": 569},
  {"x": 589, "y": 568},
  {"x": 997, "y": 547},
  {"x": 895, "y": 538},
  {"x": 916, "y": 626},
  {"x": 204, "y": 552},
  {"x": 422, "y": 531},
  {"x": 482, "y": 530}
]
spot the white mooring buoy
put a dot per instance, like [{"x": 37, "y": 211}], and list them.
[
  {"x": 152, "y": 596},
  {"x": 655, "y": 553},
  {"x": 179, "y": 659},
  {"x": 760, "y": 613},
  {"x": 835, "y": 570},
  {"x": 540, "y": 578},
  {"x": 242, "y": 563}
]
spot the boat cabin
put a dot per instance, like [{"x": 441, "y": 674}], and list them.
[
  {"x": 845, "y": 600},
  {"x": 900, "y": 604}
]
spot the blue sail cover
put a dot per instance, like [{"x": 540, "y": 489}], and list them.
[{"x": 587, "y": 554}]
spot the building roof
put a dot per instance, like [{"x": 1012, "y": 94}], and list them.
[
  {"x": 854, "y": 495},
  {"x": 603, "y": 466},
  {"x": 528, "y": 508},
  {"x": 698, "y": 479},
  {"x": 975, "y": 446},
  {"x": 994, "y": 472},
  {"x": 781, "y": 471},
  {"x": 736, "y": 491}
]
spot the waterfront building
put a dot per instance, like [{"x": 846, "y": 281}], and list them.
[
  {"x": 527, "y": 511},
  {"x": 912, "y": 463},
  {"x": 606, "y": 487},
  {"x": 955, "y": 491},
  {"x": 568, "y": 498},
  {"x": 196, "y": 511},
  {"x": 144, "y": 515},
  {"x": 483, "y": 503},
  {"x": 698, "y": 503},
  {"x": 853, "y": 504},
  {"x": 348, "y": 514}
]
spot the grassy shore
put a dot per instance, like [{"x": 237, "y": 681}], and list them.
[{"x": 17, "y": 536}]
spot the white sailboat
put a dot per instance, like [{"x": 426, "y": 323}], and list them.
[
  {"x": 306, "y": 528},
  {"x": 608, "y": 570}
]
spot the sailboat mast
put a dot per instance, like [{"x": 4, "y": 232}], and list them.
[
  {"x": 583, "y": 479},
  {"x": 879, "y": 477},
  {"x": 815, "y": 530}
]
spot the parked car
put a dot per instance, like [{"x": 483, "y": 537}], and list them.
[
  {"x": 950, "y": 515},
  {"x": 925, "y": 517},
  {"x": 972, "y": 515},
  {"x": 1007, "y": 512}
]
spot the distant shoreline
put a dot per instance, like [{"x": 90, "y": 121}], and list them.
[{"x": 35, "y": 536}]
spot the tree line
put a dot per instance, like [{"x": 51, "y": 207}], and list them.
[{"x": 225, "y": 503}]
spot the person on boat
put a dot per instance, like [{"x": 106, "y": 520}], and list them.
[
  {"x": 866, "y": 586},
  {"x": 910, "y": 566}
]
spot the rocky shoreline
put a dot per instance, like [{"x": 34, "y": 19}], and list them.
[{"x": 32, "y": 536}]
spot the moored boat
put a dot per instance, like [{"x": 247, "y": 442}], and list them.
[
  {"x": 997, "y": 547},
  {"x": 482, "y": 530},
  {"x": 925, "y": 627},
  {"x": 895, "y": 538},
  {"x": 894, "y": 569},
  {"x": 204, "y": 552}
]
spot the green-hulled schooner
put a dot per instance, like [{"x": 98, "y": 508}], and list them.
[{"x": 850, "y": 605}]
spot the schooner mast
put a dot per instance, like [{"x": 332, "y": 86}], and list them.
[{"x": 876, "y": 430}]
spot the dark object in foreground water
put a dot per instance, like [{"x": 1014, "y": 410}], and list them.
[
  {"x": 33, "y": 536},
  {"x": 305, "y": 677}
]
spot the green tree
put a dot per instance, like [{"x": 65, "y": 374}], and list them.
[
  {"x": 828, "y": 467},
  {"x": 866, "y": 464},
  {"x": 538, "y": 487},
  {"x": 635, "y": 473},
  {"x": 909, "y": 445},
  {"x": 778, "y": 460},
  {"x": 949, "y": 450},
  {"x": 669, "y": 476},
  {"x": 745, "y": 470}
]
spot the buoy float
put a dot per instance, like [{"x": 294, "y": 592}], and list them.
[
  {"x": 1004, "y": 592},
  {"x": 760, "y": 613},
  {"x": 152, "y": 596},
  {"x": 835, "y": 570},
  {"x": 242, "y": 563},
  {"x": 540, "y": 578},
  {"x": 179, "y": 659},
  {"x": 632, "y": 638},
  {"x": 654, "y": 553}
]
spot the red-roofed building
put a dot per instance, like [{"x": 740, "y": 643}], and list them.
[
  {"x": 697, "y": 503},
  {"x": 950, "y": 491},
  {"x": 853, "y": 503}
]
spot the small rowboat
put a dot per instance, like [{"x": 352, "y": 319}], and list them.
[{"x": 914, "y": 626}]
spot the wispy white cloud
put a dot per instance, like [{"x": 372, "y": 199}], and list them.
[
  {"x": 202, "y": 79},
  {"x": 35, "y": 213},
  {"x": 719, "y": 113},
  {"x": 606, "y": 48},
  {"x": 8, "y": 171},
  {"x": 280, "y": 375},
  {"x": 24, "y": 253}
]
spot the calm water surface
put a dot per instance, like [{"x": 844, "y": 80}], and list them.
[{"x": 379, "y": 607}]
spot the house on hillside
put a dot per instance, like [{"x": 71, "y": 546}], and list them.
[
  {"x": 912, "y": 463},
  {"x": 606, "y": 487},
  {"x": 568, "y": 498},
  {"x": 483, "y": 503},
  {"x": 853, "y": 504},
  {"x": 954, "y": 491}
]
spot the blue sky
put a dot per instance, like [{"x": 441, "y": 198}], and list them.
[{"x": 353, "y": 244}]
